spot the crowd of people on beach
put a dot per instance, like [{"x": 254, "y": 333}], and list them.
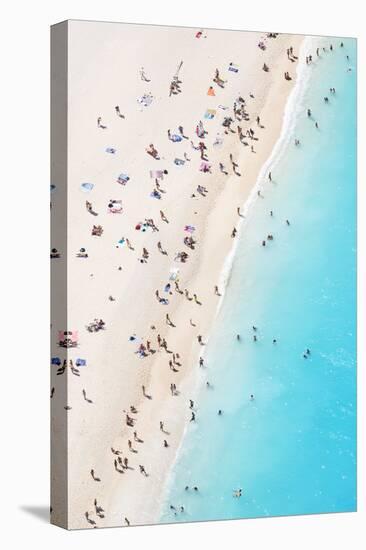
[{"x": 240, "y": 127}]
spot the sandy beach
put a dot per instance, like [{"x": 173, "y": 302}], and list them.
[{"x": 115, "y": 282}]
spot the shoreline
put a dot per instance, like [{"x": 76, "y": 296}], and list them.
[
  {"x": 274, "y": 158},
  {"x": 288, "y": 124},
  {"x": 224, "y": 277}
]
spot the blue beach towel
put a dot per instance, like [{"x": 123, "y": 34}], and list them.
[{"x": 87, "y": 186}]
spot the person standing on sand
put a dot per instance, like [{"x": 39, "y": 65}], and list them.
[
  {"x": 196, "y": 300},
  {"x": 136, "y": 438},
  {"x": 181, "y": 131},
  {"x": 144, "y": 393},
  {"x": 118, "y": 112},
  {"x": 160, "y": 248},
  {"x": 233, "y": 233},
  {"x": 143, "y": 76},
  {"x": 218, "y": 80},
  {"x": 168, "y": 321},
  {"x": 163, "y": 217},
  {"x": 234, "y": 165},
  {"x": 217, "y": 291},
  {"x": 222, "y": 169},
  {"x": 142, "y": 470}
]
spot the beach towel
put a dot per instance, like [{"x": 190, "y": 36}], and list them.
[
  {"x": 209, "y": 114},
  {"x": 190, "y": 228},
  {"x": 87, "y": 186},
  {"x": 145, "y": 100},
  {"x": 218, "y": 141},
  {"x": 157, "y": 174},
  {"x": 115, "y": 207},
  {"x": 174, "y": 272},
  {"x": 233, "y": 68},
  {"x": 179, "y": 162},
  {"x": 205, "y": 166},
  {"x": 123, "y": 179}
]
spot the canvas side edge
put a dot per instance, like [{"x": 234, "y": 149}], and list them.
[{"x": 59, "y": 427}]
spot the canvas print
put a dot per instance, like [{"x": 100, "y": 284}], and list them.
[{"x": 203, "y": 262}]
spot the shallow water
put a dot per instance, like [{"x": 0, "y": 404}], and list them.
[{"x": 292, "y": 449}]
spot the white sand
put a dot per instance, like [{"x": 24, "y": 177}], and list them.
[{"x": 104, "y": 68}]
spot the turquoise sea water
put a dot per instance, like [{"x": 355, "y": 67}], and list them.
[{"x": 292, "y": 449}]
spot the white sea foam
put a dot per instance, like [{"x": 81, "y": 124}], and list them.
[{"x": 294, "y": 106}]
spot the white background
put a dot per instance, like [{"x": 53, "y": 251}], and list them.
[{"x": 24, "y": 318}]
